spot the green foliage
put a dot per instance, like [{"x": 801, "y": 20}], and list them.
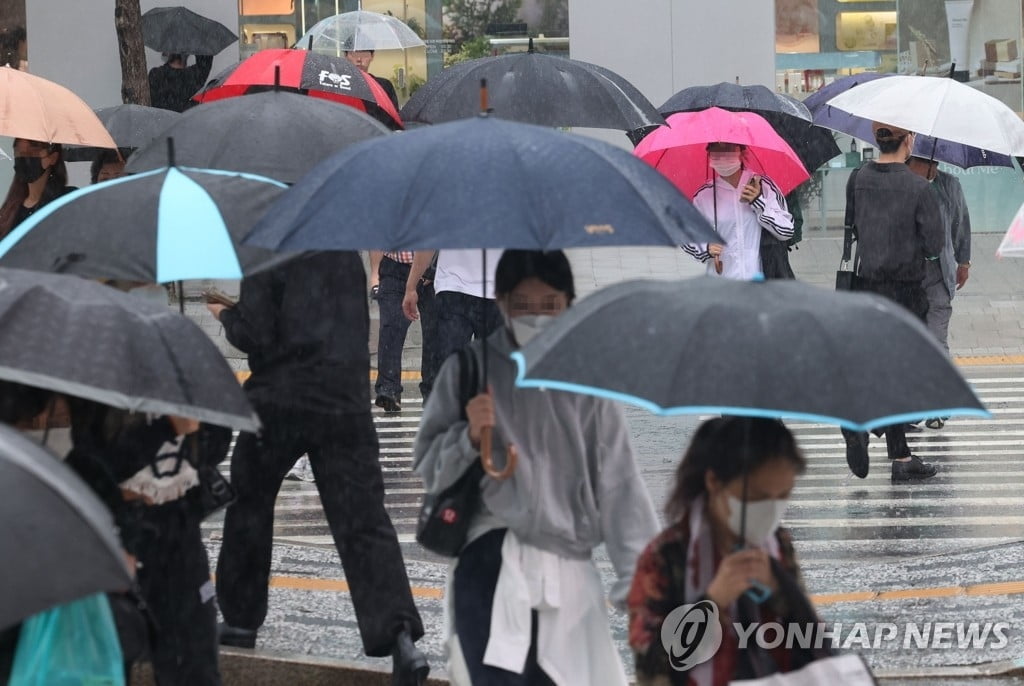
[
  {"x": 470, "y": 50},
  {"x": 469, "y": 18}
]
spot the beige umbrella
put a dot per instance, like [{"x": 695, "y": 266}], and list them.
[{"x": 41, "y": 110}]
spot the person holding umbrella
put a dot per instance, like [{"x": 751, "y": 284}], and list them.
[
  {"x": 40, "y": 176},
  {"x": 898, "y": 227},
  {"x": 172, "y": 84},
  {"x": 703, "y": 556},
  {"x": 739, "y": 203},
  {"x": 576, "y": 485}
]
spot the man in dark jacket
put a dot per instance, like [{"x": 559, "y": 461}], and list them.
[
  {"x": 898, "y": 228},
  {"x": 305, "y": 326},
  {"x": 172, "y": 84}
]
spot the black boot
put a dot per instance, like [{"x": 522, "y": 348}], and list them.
[
  {"x": 857, "y": 453},
  {"x": 410, "y": 665},
  {"x": 234, "y": 636}
]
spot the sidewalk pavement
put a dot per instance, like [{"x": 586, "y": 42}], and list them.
[{"x": 988, "y": 314}]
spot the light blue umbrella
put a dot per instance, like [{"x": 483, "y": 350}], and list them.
[{"x": 165, "y": 225}]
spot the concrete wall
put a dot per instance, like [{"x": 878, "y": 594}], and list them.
[{"x": 663, "y": 46}]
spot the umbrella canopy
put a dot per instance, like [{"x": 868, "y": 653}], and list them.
[
  {"x": 131, "y": 126},
  {"x": 182, "y": 31},
  {"x": 41, "y": 110},
  {"x": 775, "y": 348},
  {"x": 75, "y": 336},
  {"x": 59, "y": 541},
  {"x": 294, "y": 134},
  {"x": 788, "y": 116},
  {"x": 319, "y": 76},
  {"x": 480, "y": 183},
  {"x": 169, "y": 224},
  {"x": 958, "y": 154},
  {"x": 534, "y": 88},
  {"x": 355, "y": 31},
  {"x": 938, "y": 107},
  {"x": 1012, "y": 244},
  {"x": 679, "y": 150}
]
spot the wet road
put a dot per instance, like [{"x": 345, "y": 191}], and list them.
[{"x": 871, "y": 551}]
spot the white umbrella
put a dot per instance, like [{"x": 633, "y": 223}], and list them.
[
  {"x": 360, "y": 31},
  {"x": 1013, "y": 242},
  {"x": 939, "y": 107}
]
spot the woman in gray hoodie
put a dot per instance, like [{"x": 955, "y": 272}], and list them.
[{"x": 526, "y": 604}]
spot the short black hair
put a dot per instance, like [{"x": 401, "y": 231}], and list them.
[
  {"x": 889, "y": 142},
  {"x": 550, "y": 266},
  {"x": 107, "y": 157}
]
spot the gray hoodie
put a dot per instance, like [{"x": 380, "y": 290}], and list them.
[{"x": 576, "y": 484}]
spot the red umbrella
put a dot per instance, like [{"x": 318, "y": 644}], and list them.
[
  {"x": 679, "y": 150},
  {"x": 319, "y": 76}
]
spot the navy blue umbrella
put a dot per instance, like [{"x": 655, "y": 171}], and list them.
[
  {"x": 480, "y": 183},
  {"x": 957, "y": 154}
]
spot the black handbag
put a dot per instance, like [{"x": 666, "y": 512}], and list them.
[
  {"x": 443, "y": 523},
  {"x": 846, "y": 277}
]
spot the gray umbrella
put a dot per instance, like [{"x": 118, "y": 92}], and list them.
[
  {"x": 180, "y": 30},
  {"x": 58, "y": 541},
  {"x": 756, "y": 348},
  {"x": 131, "y": 126},
  {"x": 79, "y": 337},
  {"x": 276, "y": 134}
]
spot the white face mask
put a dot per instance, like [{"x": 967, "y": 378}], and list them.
[
  {"x": 524, "y": 328},
  {"x": 725, "y": 163},
  {"x": 763, "y": 518}
]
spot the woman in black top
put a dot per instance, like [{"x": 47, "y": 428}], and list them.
[{"x": 40, "y": 176}]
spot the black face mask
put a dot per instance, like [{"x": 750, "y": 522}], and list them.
[{"x": 28, "y": 169}]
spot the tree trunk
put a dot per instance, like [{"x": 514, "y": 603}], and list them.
[{"x": 134, "y": 78}]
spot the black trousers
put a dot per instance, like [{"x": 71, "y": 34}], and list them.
[
  {"x": 394, "y": 326},
  {"x": 460, "y": 319},
  {"x": 476, "y": 577},
  {"x": 912, "y": 296},
  {"x": 343, "y": 452},
  {"x": 174, "y": 578}
]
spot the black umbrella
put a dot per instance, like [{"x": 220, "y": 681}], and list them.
[
  {"x": 182, "y": 31},
  {"x": 131, "y": 126},
  {"x": 79, "y": 337},
  {"x": 534, "y": 88},
  {"x": 754, "y": 348},
  {"x": 160, "y": 226},
  {"x": 58, "y": 540},
  {"x": 813, "y": 144},
  {"x": 275, "y": 134},
  {"x": 481, "y": 183}
]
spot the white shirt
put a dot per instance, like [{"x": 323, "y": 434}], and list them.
[
  {"x": 461, "y": 271},
  {"x": 740, "y": 224}
]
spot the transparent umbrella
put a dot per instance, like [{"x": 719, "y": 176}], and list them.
[{"x": 360, "y": 30}]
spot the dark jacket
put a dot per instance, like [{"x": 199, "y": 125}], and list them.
[
  {"x": 896, "y": 220},
  {"x": 305, "y": 326},
  {"x": 172, "y": 89}
]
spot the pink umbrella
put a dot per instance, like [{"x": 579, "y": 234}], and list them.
[
  {"x": 679, "y": 150},
  {"x": 1012, "y": 244}
]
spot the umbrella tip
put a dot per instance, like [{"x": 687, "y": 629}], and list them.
[
  {"x": 170, "y": 151},
  {"x": 277, "y": 77},
  {"x": 310, "y": 48},
  {"x": 530, "y": 46}
]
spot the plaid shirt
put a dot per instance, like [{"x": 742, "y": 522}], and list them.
[{"x": 400, "y": 256}]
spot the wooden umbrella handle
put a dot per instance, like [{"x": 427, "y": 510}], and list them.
[{"x": 511, "y": 457}]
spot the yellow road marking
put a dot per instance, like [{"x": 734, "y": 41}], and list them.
[{"x": 1003, "y": 588}]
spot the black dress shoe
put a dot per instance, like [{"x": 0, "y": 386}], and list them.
[
  {"x": 390, "y": 405},
  {"x": 857, "y": 453},
  {"x": 913, "y": 470},
  {"x": 235, "y": 637},
  {"x": 410, "y": 665}
]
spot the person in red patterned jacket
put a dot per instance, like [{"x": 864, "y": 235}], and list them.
[{"x": 702, "y": 557}]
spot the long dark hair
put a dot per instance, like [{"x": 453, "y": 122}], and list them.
[
  {"x": 16, "y": 194},
  {"x": 727, "y": 446}
]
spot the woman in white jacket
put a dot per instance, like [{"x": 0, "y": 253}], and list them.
[
  {"x": 526, "y": 603},
  {"x": 739, "y": 204}
]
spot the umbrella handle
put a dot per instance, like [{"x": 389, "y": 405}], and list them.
[{"x": 511, "y": 457}]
